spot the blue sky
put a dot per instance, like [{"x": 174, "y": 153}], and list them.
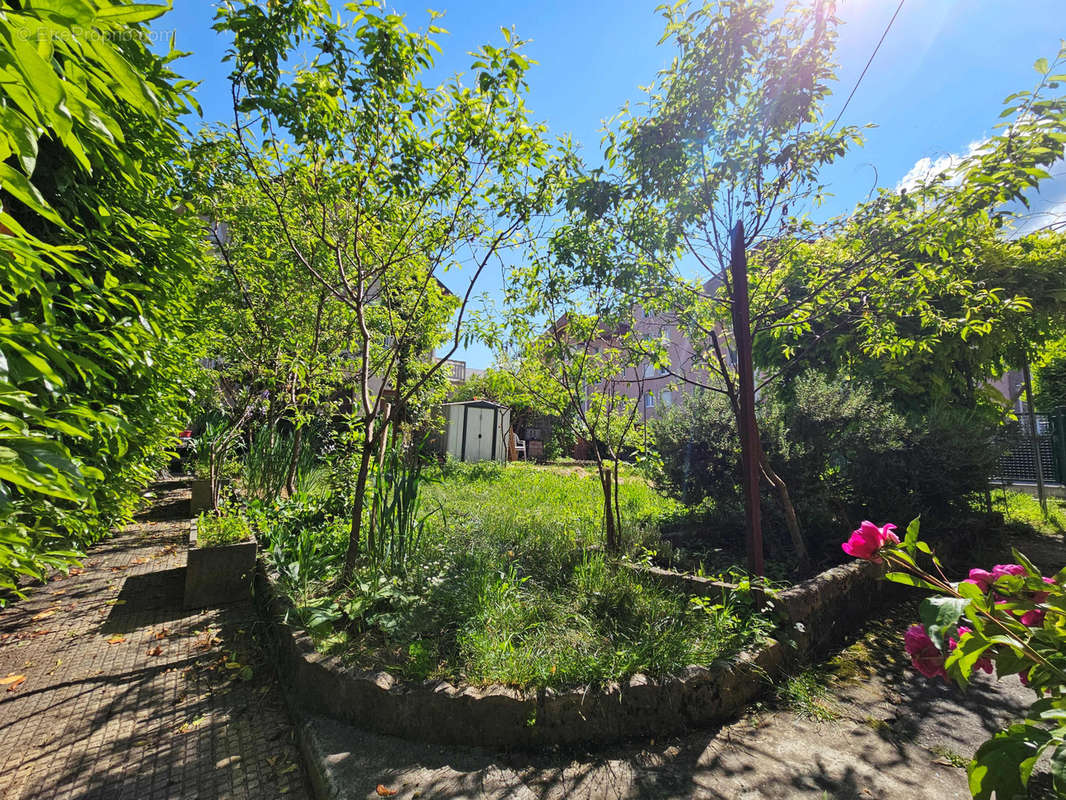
[{"x": 934, "y": 88}]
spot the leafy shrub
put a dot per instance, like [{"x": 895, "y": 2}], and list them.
[
  {"x": 699, "y": 449},
  {"x": 1050, "y": 379},
  {"x": 826, "y": 438},
  {"x": 844, "y": 453},
  {"x": 302, "y": 538},
  {"x": 97, "y": 267}
]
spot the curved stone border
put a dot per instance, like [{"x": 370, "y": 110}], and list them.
[
  {"x": 813, "y": 614},
  {"x": 503, "y": 717}
]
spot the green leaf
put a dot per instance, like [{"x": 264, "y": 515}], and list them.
[
  {"x": 1058, "y": 769},
  {"x": 960, "y": 663},
  {"x": 1010, "y": 662},
  {"x": 939, "y": 615},
  {"x": 23, "y": 135},
  {"x": 913, "y": 528},
  {"x": 65, "y": 12},
  {"x": 1003, "y": 763},
  {"x": 136, "y": 12},
  {"x": 13, "y": 181},
  {"x": 1025, "y": 562},
  {"x": 970, "y": 591},
  {"x": 909, "y": 580}
]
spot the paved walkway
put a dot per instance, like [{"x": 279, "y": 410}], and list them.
[
  {"x": 872, "y": 737},
  {"x": 128, "y": 696}
]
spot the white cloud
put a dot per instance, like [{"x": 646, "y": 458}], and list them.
[
  {"x": 926, "y": 168},
  {"x": 1047, "y": 205},
  {"x": 1046, "y": 210}
]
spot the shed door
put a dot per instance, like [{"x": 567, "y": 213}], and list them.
[{"x": 479, "y": 430}]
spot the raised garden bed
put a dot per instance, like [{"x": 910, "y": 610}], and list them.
[
  {"x": 813, "y": 615},
  {"x": 501, "y": 716},
  {"x": 219, "y": 574}
]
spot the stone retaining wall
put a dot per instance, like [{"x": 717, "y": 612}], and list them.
[
  {"x": 687, "y": 583},
  {"x": 502, "y": 717},
  {"x": 814, "y": 614}
]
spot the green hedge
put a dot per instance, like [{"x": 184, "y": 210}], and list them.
[{"x": 97, "y": 264}]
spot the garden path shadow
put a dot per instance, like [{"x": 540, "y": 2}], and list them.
[{"x": 129, "y": 695}]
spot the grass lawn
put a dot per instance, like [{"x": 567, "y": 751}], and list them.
[
  {"x": 1024, "y": 509},
  {"x": 510, "y": 586}
]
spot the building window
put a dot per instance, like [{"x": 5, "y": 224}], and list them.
[
  {"x": 649, "y": 400},
  {"x": 667, "y": 396}
]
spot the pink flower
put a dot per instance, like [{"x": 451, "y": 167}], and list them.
[
  {"x": 1040, "y": 597},
  {"x": 925, "y": 656},
  {"x": 1033, "y": 619},
  {"x": 868, "y": 539},
  {"x": 981, "y": 578},
  {"x": 984, "y": 662},
  {"x": 1002, "y": 570}
]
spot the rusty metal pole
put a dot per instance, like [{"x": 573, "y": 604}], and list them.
[{"x": 749, "y": 429}]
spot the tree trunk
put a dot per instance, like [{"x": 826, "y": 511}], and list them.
[
  {"x": 351, "y": 558},
  {"x": 804, "y": 559},
  {"x": 617, "y": 505},
  {"x": 297, "y": 448},
  {"x": 609, "y": 518}
]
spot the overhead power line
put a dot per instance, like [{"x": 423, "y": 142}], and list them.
[{"x": 868, "y": 63}]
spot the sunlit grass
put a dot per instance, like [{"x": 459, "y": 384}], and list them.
[
  {"x": 1023, "y": 508},
  {"x": 512, "y": 585}
]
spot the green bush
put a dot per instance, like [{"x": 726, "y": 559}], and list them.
[
  {"x": 98, "y": 260},
  {"x": 699, "y": 450},
  {"x": 1050, "y": 380},
  {"x": 845, "y": 454}
]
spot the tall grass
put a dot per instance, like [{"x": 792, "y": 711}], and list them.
[
  {"x": 547, "y": 517},
  {"x": 1023, "y": 508},
  {"x": 509, "y": 583},
  {"x": 214, "y": 425},
  {"x": 268, "y": 460}
]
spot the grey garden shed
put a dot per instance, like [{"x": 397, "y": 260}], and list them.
[{"x": 476, "y": 430}]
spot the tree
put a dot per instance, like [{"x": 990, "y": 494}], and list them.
[
  {"x": 733, "y": 139},
  {"x": 97, "y": 269},
  {"x": 941, "y": 296},
  {"x": 581, "y": 369},
  {"x": 276, "y": 337},
  {"x": 732, "y": 133},
  {"x": 568, "y": 327},
  {"x": 393, "y": 182}
]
